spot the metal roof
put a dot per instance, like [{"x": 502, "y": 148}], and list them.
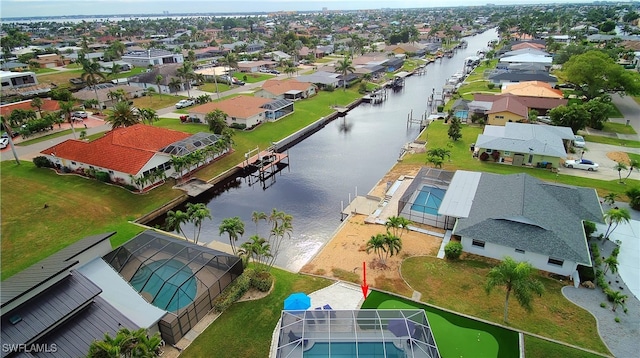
[
  {"x": 38, "y": 274},
  {"x": 279, "y": 103},
  {"x": 393, "y": 333},
  {"x": 31, "y": 320},
  {"x": 458, "y": 199}
]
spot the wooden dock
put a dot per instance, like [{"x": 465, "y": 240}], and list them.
[{"x": 263, "y": 160}]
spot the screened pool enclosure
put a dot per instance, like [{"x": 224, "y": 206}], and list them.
[
  {"x": 422, "y": 199},
  {"x": 358, "y": 333},
  {"x": 176, "y": 276}
]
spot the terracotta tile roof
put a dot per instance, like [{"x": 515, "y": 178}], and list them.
[
  {"x": 527, "y": 45},
  {"x": 530, "y": 102},
  {"x": 125, "y": 150},
  {"x": 48, "y": 105},
  {"x": 533, "y": 89},
  {"x": 278, "y": 87},
  {"x": 509, "y": 104},
  {"x": 239, "y": 107}
]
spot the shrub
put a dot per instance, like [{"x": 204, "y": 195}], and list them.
[
  {"x": 103, "y": 177},
  {"x": 617, "y": 319},
  {"x": 484, "y": 156},
  {"x": 233, "y": 292},
  {"x": 603, "y": 305},
  {"x": 238, "y": 126},
  {"x": 491, "y": 85},
  {"x": 453, "y": 250},
  {"x": 634, "y": 197},
  {"x": 440, "y": 108},
  {"x": 615, "y": 251},
  {"x": 597, "y": 261},
  {"x": 589, "y": 228},
  {"x": 42, "y": 162},
  {"x": 262, "y": 281},
  {"x": 495, "y": 155},
  {"x": 602, "y": 283}
]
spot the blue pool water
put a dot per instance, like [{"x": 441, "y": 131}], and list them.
[
  {"x": 428, "y": 200},
  {"x": 169, "y": 281},
  {"x": 348, "y": 350}
]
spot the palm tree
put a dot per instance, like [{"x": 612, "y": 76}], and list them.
[
  {"x": 281, "y": 227},
  {"x": 610, "y": 263},
  {"x": 377, "y": 244},
  {"x": 344, "y": 67},
  {"x": 186, "y": 74},
  {"x": 516, "y": 277},
  {"x": 126, "y": 343},
  {"x": 392, "y": 244},
  {"x": 257, "y": 216},
  {"x": 67, "y": 109},
  {"x": 91, "y": 74},
  {"x": 634, "y": 197},
  {"x": 614, "y": 217},
  {"x": 234, "y": 227},
  {"x": 158, "y": 80},
  {"x": 174, "y": 221},
  {"x": 256, "y": 248},
  {"x": 150, "y": 91},
  {"x": 217, "y": 121},
  {"x": 610, "y": 198},
  {"x": 633, "y": 164},
  {"x": 197, "y": 213},
  {"x": 398, "y": 224},
  {"x": 148, "y": 115},
  {"x": 37, "y": 103},
  {"x": 175, "y": 84},
  {"x": 617, "y": 298},
  {"x": 115, "y": 70},
  {"x": 123, "y": 115},
  {"x": 620, "y": 166}
]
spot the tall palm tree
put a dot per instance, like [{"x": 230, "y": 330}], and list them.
[
  {"x": 281, "y": 227},
  {"x": 256, "y": 217},
  {"x": 516, "y": 277},
  {"x": 377, "y": 244},
  {"x": 174, "y": 84},
  {"x": 392, "y": 244},
  {"x": 344, "y": 67},
  {"x": 148, "y": 115},
  {"x": 158, "y": 80},
  {"x": 185, "y": 72},
  {"x": 91, "y": 74},
  {"x": 620, "y": 166},
  {"x": 614, "y": 217},
  {"x": 174, "y": 221},
  {"x": 633, "y": 164},
  {"x": 123, "y": 115},
  {"x": 611, "y": 263},
  {"x": 67, "y": 108},
  {"x": 234, "y": 227},
  {"x": 197, "y": 213}
]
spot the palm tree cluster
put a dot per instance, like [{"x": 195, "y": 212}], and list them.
[
  {"x": 126, "y": 343},
  {"x": 620, "y": 166},
  {"x": 199, "y": 157},
  {"x": 234, "y": 227},
  {"x": 614, "y": 217},
  {"x": 389, "y": 243},
  {"x": 152, "y": 177},
  {"x": 195, "y": 214}
]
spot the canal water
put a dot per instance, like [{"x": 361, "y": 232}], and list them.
[{"x": 349, "y": 154}]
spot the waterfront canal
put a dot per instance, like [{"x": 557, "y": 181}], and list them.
[{"x": 348, "y": 153}]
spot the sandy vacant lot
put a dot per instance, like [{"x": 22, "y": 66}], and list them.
[{"x": 342, "y": 257}]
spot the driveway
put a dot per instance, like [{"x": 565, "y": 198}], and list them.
[{"x": 597, "y": 152}]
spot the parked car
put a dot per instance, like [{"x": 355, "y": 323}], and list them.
[
  {"x": 185, "y": 103},
  {"x": 4, "y": 142},
  {"x": 275, "y": 72},
  {"x": 80, "y": 114},
  {"x": 578, "y": 141},
  {"x": 583, "y": 164},
  {"x": 236, "y": 81}
]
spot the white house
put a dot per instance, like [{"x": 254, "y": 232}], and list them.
[
  {"x": 522, "y": 217},
  {"x": 17, "y": 79},
  {"x": 152, "y": 57}
]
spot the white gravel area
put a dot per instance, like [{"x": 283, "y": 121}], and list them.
[{"x": 623, "y": 339}]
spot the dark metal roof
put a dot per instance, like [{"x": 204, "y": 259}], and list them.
[
  {"x": 47, "y": 310},
  {"x": 34, "y": 276},
  {"x": 73, "y": 338},
  {"x": 277, "y": 104},
  {"x": 523, "y": 76}
]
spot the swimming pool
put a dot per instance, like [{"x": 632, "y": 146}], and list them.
[
  {"x": 352, "y": 349},
  {"x": 169, "y": 281},
  {"x": 428, "y": 200}
]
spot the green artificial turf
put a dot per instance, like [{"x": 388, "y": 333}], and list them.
[{"x": 450, "y": 330}]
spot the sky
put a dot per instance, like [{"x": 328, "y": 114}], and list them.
[{"x": 33, "y": 8}]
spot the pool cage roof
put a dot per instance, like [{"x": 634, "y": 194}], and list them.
[
  {"x": 277, "y": 104},
  {"x": 191, "y": 144},
  {"x": 367, "y": 333},
  {"x": 191, "y": 268},
  {"x": 432, "y": 177}
]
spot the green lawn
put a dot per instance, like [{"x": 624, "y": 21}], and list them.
[
  {"x": 536, "y": 347},
  {"x": 252, "y": 77},
  {"x": 634, "y": 156},
  {"x": 134, "y": 71},
  {"x": 479, "y": 86},
  {"x": 618, "y": 128},
  {"x": 449, "y": 330},
  {"x": 612, "y": 141},
  {"x": 461, "y": 158},
  {"x": 211, "y": 87},
  {"x": 157, "y": 101},
  {"x": 246, "y": 328},
  {"x": 39, "y": 71},
  {"x": 478, "y": 72},
  {"x": 48, "y": 137},
  {"x": 553, "y": 315}
]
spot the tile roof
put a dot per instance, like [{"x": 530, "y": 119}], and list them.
[
  {"x": 509, "y": 104},
  {"x": 239, "y": 107},
  {"x": 126, "y": 150},
  {"x": 530, "y": 102},
  {"x": 523, "y": 212},
  {"x": 278, "y": 87},
  {"x": 533, "y": 89},
  {"x": 48, "y": 105}
]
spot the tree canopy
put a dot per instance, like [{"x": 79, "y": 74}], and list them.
[{"x": 595, "y": 72}]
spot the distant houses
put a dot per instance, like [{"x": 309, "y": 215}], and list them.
[{"x": 245, "y": 111}]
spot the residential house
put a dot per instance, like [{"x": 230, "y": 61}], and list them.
[
  {"x": 152, "y": 57},
  {"x": 522, "y": 217},
  {"x": 131, "y": 153},
  {"x": 521, "y": 144},
  {"x": 48, "y": 105},
  {"x": 482, "y": 103},
  {"x": 148, "y": 79},
  {"x": 245, "y": 111},
  {"x": 255, "y": 66},
  {"x": 17, "y": 79},
  {"x": 51, "y": 60},
  {"x": 291, "y": 89},
  {"x": 526, "y": 59},
  {"x": 321, "y": 79},
  {"x": 500, "y": 78},
  {"x": 278, "y": 56},
  {"x": 533, "y": 89},
  {"x": 527, "y": 45},
  {"x": 104, "y": 96},
  {"x": 14, "y": 66},
  {"x": 507, "y": 109}
]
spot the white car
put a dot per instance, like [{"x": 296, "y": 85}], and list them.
[
  {"x": 583, "y": 164},
  {"x": 80, "y": 114},
  {"x": 578, "y": 141},
  {"x": 185, "y": 103},
  {"x": 4, "y": 142}
]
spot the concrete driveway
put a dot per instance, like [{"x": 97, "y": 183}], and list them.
[{"x": 597, "y": 152}]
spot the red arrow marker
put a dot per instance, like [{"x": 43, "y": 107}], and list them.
[{"x": 364, "y": 286}]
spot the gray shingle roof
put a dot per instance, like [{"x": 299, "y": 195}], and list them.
[{"x": 522, "y": 212}]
